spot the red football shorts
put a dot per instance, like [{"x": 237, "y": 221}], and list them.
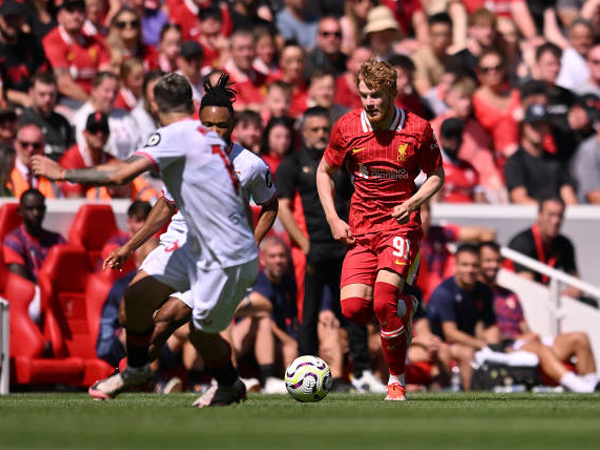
[{"x": 398, "y": 251}]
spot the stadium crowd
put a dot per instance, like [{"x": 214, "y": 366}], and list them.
[{"x": 512, "y": 91}]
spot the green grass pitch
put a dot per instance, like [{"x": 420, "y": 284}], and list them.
[{"x": 426, "y": 421}]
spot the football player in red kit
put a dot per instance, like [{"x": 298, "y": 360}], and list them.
[{"x": 385, "y": 148}]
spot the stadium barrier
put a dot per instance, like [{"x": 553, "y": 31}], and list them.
[
  {"x": 547, "y": 312},
  {"x": 4, "y": 347}
]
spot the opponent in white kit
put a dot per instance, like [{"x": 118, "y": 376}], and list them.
[
  {"x": 217, "y": 114},
  {"x": 219, "y": 260}
]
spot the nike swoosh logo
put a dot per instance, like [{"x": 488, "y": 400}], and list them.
[
  {"x": 400, "y": 263},
  {"x": 356, "y": 150}
]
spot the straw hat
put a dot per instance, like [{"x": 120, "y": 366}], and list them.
[{"x": 380, "y": 18}]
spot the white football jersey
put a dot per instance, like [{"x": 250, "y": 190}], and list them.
[
  {"x": 255, "y": 180},
  {"x": 201, "y": 180}
]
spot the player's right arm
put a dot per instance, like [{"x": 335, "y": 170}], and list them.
[
  {"x": 115, "y": 172},
  {"x": 325, "y": 186},
  {"x": 158, "y": 217}
]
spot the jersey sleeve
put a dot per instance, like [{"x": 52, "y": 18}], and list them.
[
  {"x": 336, "y": 150},
  {"x": 159, "y": 152},
  {"x": 167, "y": 195},
  {"x": 56, "y": 53},
  {"x": 430, "y": 157},
  {"x": 13, "y": 251},
  {"x": 262, "y": 188}
]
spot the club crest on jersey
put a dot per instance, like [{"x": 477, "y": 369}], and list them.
[
  {"x": 402, "y": 152},
  {"x": 153, "y": 140}
]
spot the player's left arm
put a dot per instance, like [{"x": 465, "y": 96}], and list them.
[
  {"x": 434, "y": 182},
  {"x": 266, "y": 218},
  {"x": 115, "y": 172}
]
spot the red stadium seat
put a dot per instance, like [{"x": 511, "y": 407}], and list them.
[
  {"x": 91, "y": 228},
  {"x": 9, "y": 218},
  {"x": 72, "y": 299},
  {"x": 27, "y": 344}
]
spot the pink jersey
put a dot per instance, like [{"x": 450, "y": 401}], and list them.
[{"x": 385, "y": 164}]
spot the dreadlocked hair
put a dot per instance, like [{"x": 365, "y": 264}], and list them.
[{"x": 220, "y": 95}]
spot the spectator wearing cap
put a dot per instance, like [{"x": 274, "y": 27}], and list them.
[
  {"x": 293, "y": 22},
  {"x": 574, "y": 70},
  {"x": 89, "y": 153},
  {"x": 586, "y": 161},
  {"x": 592, "y": 84},
  {"x": 21, "y": 53},
  {"x": 124, "y": 132},
  {"x": 429, "y": 59},
  {"x": 75, "y": 57},
  {"x": 249, "y": 82},
  {"x": 381, "y": 31},
  {"x": 532, "y": 173},
  {"x": 327, "y": 55},
  {"x": 186, "y": 15},
  {"x": 58, "y": 133},
  {"x": 462, "y": 181},
  {"x": 8, "y": 126},
  {"x": 189, "y": 63},
  {"x": 30, "y": 142}
]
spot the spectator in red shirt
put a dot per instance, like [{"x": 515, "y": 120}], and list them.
[
  {"x": 21, "y": 53},
  {"x": 169, "y": 47},
  {"x": 476, "y": 146},
  {"x": 27, "y": 246},
  {"x": 278, "y": 100},
  {"x": 277, "y": 142},
  {"x": 214, "y": 44},
  {"x": 75, "y": 58},
  {"x": 266, "y": 60},
  {"x": 292, "y": 63},
  {"x": 89, "y": 153},
  {"x": 132, "y": 81},
  {"x": 346, "y": 92},
  {"x": 462, "y": 181},
  {"x": 125, "y": 40},
  {"x": 321, "y": 92},
  {"x": 406, "y": 98},
  {"x": 186, "y": 13},
  {"x": 249, "y": 83}
]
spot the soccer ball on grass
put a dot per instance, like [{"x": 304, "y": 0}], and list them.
[{"x": 308, "y": 379}]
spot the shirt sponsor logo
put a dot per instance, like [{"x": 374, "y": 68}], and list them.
[{"x": 365, "y": 172}]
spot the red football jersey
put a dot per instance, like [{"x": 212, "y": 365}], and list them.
[
  {"x": 385, "y": 164},
  {"x": 83, "y": 58}
]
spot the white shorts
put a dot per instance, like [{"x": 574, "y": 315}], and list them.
[
  {"x": 548, "y": 341},
  {"x": 213, "y": 294}
]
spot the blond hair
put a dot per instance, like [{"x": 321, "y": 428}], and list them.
[{"x": 377, "y": 75}]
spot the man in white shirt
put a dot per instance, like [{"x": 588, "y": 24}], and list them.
[{"x": 219, "y": 260}]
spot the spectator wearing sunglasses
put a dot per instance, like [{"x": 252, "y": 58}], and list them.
[
  {"x": 125, "y": 40},
  {"x": 29, "y": 142},
  {"x": 327, "y": 55}
]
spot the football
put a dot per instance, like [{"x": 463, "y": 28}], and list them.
[{"x": 308, "y": 379}]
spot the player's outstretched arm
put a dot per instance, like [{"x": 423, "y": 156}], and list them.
[
  {"x": 339, "y": 229},
  {"x": 158, "y": 217},
  {"x": 428, "y": 189},
  {"x": 114, "y": 173},
  {"x": 266, "y": 218}
]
